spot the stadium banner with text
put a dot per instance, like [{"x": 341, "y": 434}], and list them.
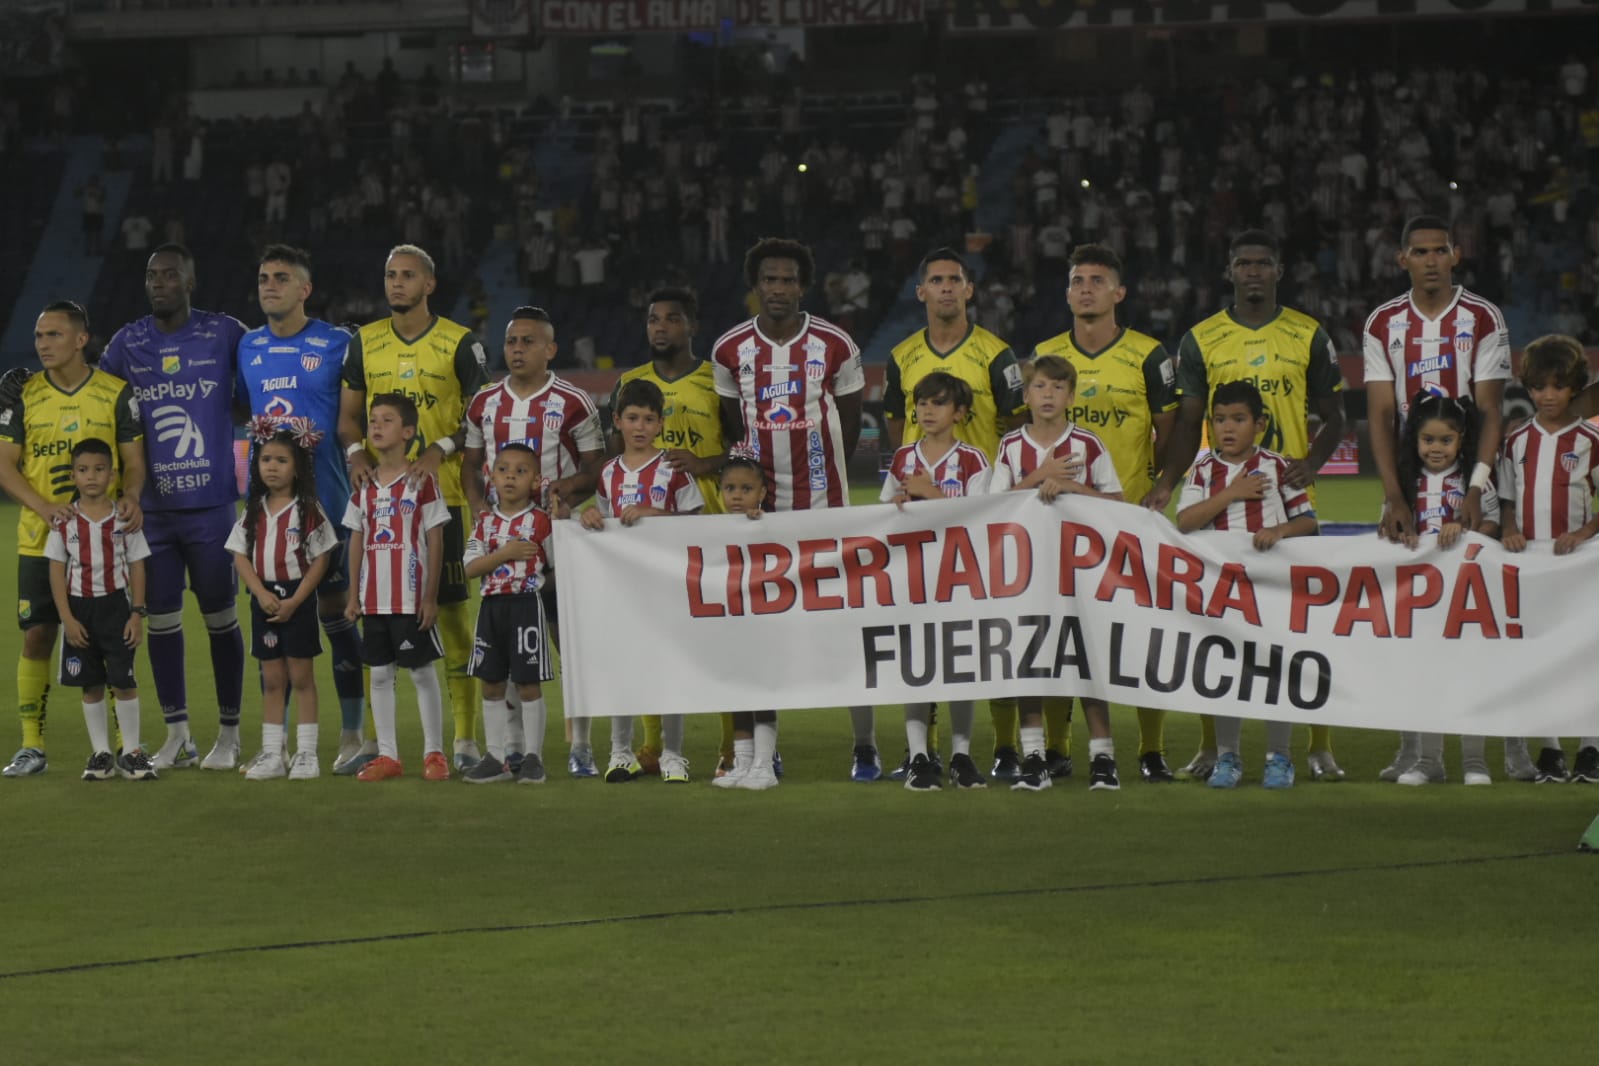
[
  {"x": 984, "y": 16},
  {"x": 1008, "y": 596},
  {"x": 578, "y": 17},
  {"x": 501, "y": 18}
]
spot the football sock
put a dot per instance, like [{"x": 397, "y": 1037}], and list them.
[
  {"x": 94, "y": 717},
  {"x": 916, "y": 718},
  {"x": 1225, "y": 734},
  {"x": 515, "y": 735},
  {"x": 306, "y": 737},
  {"x": 228, "y": 732},
  {"x": 383, "y": 710},
  {"x": 496, "y": 715},
  {"x": 961, "y": 715},
  {"x": 1151, "y": 730},
  {"x": 164, "y": 638},
  {"x": 743, "y": 753},
  {"x": 652, "y": 733},
  {"x": 1431, "y": 753},
  {"x": 671, "y": 738},
  {"x": 345, "y": 645},
  {"x": 1032, "y": 737},
  {"x": 534, "y": 716},
  {"x": 1058, "y": 723},
  {"x": 33, "y": 694},
  {"x": 430, "y": 706},
  {"x": 455, "y": 632},
  {"x": 764, "y": 743},
  {"x": 1552, "y": 742},
  {"x": 227, "y": 662},
  {"x": 1320, "y": 738},
  {"x": 582, "y": 733},
  {"x": 272, "y": 736},
  {"x": 1207, "y": 733},
  {"x": 726, "y": 750},
  {"x": 1003, "y": 712},
  {"x": 863, "y": 722},
  {"x": 1473, "y": 755},
  {"x": 622, "y": 736},
  {"x": 1409, "y": 747},
  {"x": 1101, "y": 746},
  {"x": 1280, "y": 738}
]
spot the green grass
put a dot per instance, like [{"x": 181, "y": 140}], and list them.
[{"x": 822, "y": 922}]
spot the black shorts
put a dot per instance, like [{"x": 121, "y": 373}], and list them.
[
  {"x": 337, "y": 578},
  {"x": 394, "y": 639},
  {"x": 107, "y": 660},
  {"x": 511, "y": 641},
  {"x": 36, "y": 604},
  {"x": 298, "y": 638},
  {"x": 452, "y": 581}
]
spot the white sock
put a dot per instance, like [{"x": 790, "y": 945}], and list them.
[
  {"x": 764, "y": 746},
  {"x": 622, "y": 736},
  {"x": 535, "y": 716},
  {"x": 272, "y": 737},
  {"x": 1280, "y": 739},
  {"x": 178, "y": 729},
  {"x": 582, "y": 734},
  {"x": 228, "y": 732},
  {"x": 1101, "y": 746},
  {"x": 1032, "y": 737},
  {"x": 863, "y": 722},
  {"x": 1409, "y": 747},
  {"x": 1588, "y": 742},
  {"x": 94, "y": 716},
  {"x": 306, "y": 737},
  {"x": 672, "y": 733},
  {"x": 496, "y": 720},
  {"x": 1229, "y": 734},
  {"x": 430, "y": 706},
  {"x": 1430, "y": 750},
  {"x": 348, "y": 737},
  {"x": 961, "y": 714},
  {"x": 383, "y": 710},
  {"x": 1552, "y": 742},
  {"x": 514, "y": 740},
  {"x": 917, "y": 716},
  {"x": 128, "y": 722},
  {"x": 743, "y": 753}
]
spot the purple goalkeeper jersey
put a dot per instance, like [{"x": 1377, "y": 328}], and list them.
[{"x": 183, "y": 382}]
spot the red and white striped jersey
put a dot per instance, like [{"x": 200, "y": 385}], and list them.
[
  {"x": 788, "y": 394},
  {"x": 393, "y": 521},
  {"x": 1548, "y": 479},
  {"x": 559, "y": 422},
  {"x": 1448, "y": 355},
  {"x": 283, "y": 551},
  {"x": 97, "y": 552},
  {"x": 1280, "y": 503},
  {"x": 1019, "y": 455},
  {"x": 493, "y": 531},
  {"x": 654, "y": 484},
  {"x": 1440, "y": 496},
  {"x": 963, "y": 471}
]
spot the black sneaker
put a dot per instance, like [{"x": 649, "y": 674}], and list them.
[
  {"x": 135, "y": 766},
  {"x": 1152, "y": 766},
  {"x": 963, "y": 772},
  {"x": 486, "y": 771},
  {"x": 1059, "y": 763},
  {"x": 101, "y": 767},
  {"x": 531, "y": 772},
  {"x": 1007, "y": 765},
  {"x": 1034, "y": 774},
  {"x": 1585, "y": 771},
  {"x": 937, "y": 760},
  {"x": 1102, "y": 774},
  {"x": 903, "y": 770},
  {"x": 1552, "y": 767},
  {"x": 923, "y": 777}
]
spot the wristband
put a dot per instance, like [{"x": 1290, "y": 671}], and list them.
[
  {"x": 358, "y": 446},
  {"x": 1479, "y": 476},
  {"x": 445, "y": 445}
]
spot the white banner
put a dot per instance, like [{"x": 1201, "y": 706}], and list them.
[{"x": 1006, "y": 595}]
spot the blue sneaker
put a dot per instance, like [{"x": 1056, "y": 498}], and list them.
[
  {"x": 1279, "y": 771},
  {"x": 866, "y": 767},
  {"x": 581, "y": 763},
  {"x": 777, "y": 764},
  {"x": 357, "y": 760},
  {"x": 26, "y": 763},
  {"x": 1228, "y": 772}
]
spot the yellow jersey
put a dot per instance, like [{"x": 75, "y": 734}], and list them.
[
  {"x": 1120, "y": 390},
  {"x": 48, "y": 421},
  {"x": 691, "y": 418},
  {"x": 1290, "y": 359},
  {"x": 982, "y": 360},
  {"x": 441, "y": 370}
]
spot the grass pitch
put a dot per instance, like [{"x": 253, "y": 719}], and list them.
[{"x": 202, "y": 918}]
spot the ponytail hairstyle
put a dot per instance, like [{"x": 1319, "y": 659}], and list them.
[{"x": 1425, "y": 406}]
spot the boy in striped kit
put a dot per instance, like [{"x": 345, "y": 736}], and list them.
[
  {"x": 396, "y": 555},
  {"x": 1244, "y": 488},
  {"x": 1547, "y": 478},
  {"x": 97, "y": 581},
  {"x": 636, "y": 484},
  {"x": 507, "y": 550}
]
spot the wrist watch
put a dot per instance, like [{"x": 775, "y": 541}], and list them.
[{"x": 141, "y": 610}]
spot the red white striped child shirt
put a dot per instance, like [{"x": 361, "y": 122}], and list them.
[
  {"x": 493, "y": 531},
  {"x": 393, "y": 521},
  {"x": 1440, "y": 496},
  {"x": 1279, "y": 503},
  {"x": 962, "y": 471},
  {"x": 283, "y": 551},
  {"x": 1020, "y": 455},
  {"x": 788, "y": 394},
  {"x": 559, "y": 422},
  {"x": 97, "y": 552},
  {"x": 1548, "y": 479},
  {"x": 655, "y": 484}
]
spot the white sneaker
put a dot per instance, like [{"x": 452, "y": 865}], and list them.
[
  {"x": 266, "y": 767},
  {"x": 304, "y": 766},
  {"x": 1323, "y": 767},
  {"x": 674, "y": 768},
  {"x": 1201, "y": 766},
  {"x": 1478, "y": 777},
  {"x": 1518, "y": 763},
  {"x": 1403, "y": 760},
  {"x": 176, "y": 752},
  {"x": 223, "y": 756},
  {"x": 758, "y": 779},
  {"x": 1419, "y": 775},
  {"x": 740, "y": 770}
]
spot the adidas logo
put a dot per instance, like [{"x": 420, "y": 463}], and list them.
[
  {"x": 405, "y": 645},
  {"x": 256, "y": 361}
]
